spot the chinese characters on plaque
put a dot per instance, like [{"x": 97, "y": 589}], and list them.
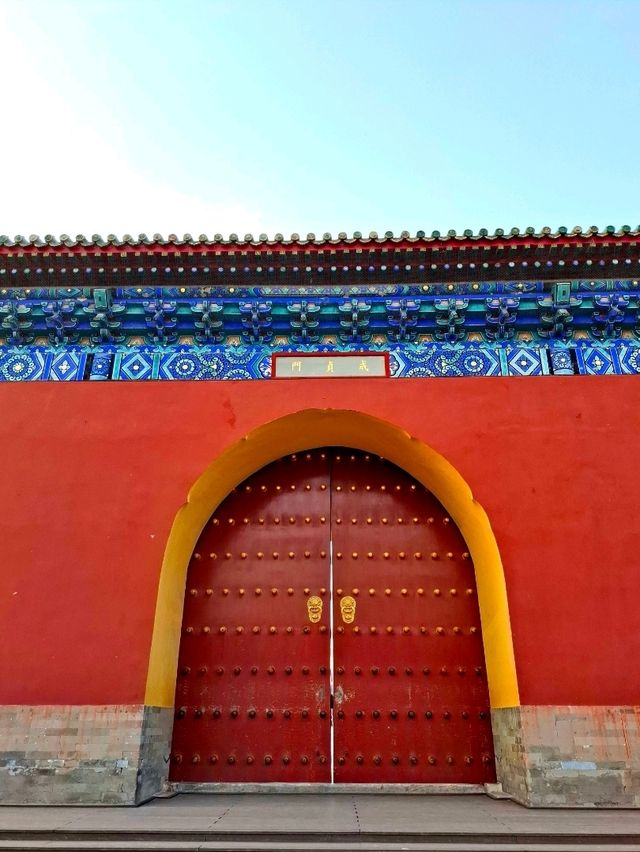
[{"x": 330, "y": 365}]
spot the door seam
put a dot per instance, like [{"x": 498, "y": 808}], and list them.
[{"x": 331, "y": 627}]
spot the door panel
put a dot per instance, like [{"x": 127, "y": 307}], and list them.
[
  {"x": 411, "y": 699},
  {"x": 253, "y": 699}
]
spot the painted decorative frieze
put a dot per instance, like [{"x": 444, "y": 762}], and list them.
[{"x": 245, "y": 361}]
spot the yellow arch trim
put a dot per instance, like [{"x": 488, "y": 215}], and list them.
[{"x": 305, "y": 430}]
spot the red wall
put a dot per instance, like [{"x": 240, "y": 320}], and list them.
[{"x": 93, "y": 475}]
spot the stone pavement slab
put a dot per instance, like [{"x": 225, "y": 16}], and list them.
[
  {"x": 306, "y": 813},
  {"x": 481, "y": 813},
  {"x": 342, "y": 814},
  {"x": 356, "y": 846}
]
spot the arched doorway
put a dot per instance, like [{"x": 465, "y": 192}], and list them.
[{"x": 331, "y": 632}]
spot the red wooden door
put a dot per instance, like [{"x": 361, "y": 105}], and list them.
[
  {"x": 257, "y": 669},
  {"x": 411, "y": 698},
  {"x": 253, "y": 698}
]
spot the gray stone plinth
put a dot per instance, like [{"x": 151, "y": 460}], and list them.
[
  {"x": 109, "y": 754},
  {"x": 569, "y": 756}
]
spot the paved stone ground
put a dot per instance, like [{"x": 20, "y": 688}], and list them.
[{"x": 388, "y": 814}]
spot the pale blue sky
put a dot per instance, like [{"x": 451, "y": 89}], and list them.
[{"x": 318, "y": 115}]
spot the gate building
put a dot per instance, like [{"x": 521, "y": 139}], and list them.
[{"x": 350, "y": 511}]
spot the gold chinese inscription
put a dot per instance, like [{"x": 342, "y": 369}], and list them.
[
  {"x": 320, "y": 365},
  {"x": 348, "y": 609},
  {"x": 314, "y": 609}
]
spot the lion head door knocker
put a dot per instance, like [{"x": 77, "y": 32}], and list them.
[
  {"x": 314, "y": 609},
  {"x": 348, "y": 609}
]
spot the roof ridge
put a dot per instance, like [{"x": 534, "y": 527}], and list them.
[{"x": 96, "y": 240}]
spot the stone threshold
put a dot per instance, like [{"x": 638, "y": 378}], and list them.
[{"x": 333, "y": 789}]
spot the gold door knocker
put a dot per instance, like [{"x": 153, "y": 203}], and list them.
[
  {"x": 348, "y": 609},
  {"x": 314, "y": 609}
]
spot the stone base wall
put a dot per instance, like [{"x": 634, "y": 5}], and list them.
[
  {"x": 119, "y": 754},
  {"x": 155, "y": 749},
  {"x": 569, "y": 756},
  {"x": 508, "y": 748},
  {"x": 110, "y": 755}
]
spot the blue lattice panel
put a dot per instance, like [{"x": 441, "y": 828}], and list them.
[
  {"x": 136, "y": 366},
  {"x": 561, "y": 362},
  {"x": 24, "y": 365},
  {"x": 629, "y": 359},
  {"x": 101, "y": 366},
  {"x": 520, "y": 361},
  {"x": 596, "y": 361},
  {"x": 434, "y": 361},
  {"x": 67, "y": 367},
  {"x": 216, "y": 362}
]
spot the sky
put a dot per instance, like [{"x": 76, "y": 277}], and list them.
[{"x": 267, "y": 116}]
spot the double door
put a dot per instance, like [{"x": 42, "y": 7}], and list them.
[{"x": 331, "y": 633}]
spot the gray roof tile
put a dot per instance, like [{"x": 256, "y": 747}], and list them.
[{"x": 372, "y": 239}]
